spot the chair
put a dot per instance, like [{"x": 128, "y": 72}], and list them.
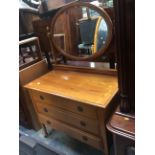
[
  {"x": 33, "y": 54},
  {"x": 27, "y": 48}
]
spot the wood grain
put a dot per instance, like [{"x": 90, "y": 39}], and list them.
[
  {"x": 86, "y": 69},
  {"x": 73, "y": 132},
  {"x": 66, "y": 104},
  {"x": 32, "y": 72},
  {"x": 63, "y": 99},
  {"x": 92, "y": 89},
  {"x": 26, "y": 75},
  {"x": 70, "y": 118},
  {"x": 122, "y": 125}
]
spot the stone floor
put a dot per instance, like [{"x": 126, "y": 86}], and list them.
[{"x": 63, "y": 143}]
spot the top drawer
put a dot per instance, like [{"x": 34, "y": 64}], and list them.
[{"x": 63, "y": 103}]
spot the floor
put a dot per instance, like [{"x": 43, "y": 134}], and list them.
[{"x": 63, "y": 143}]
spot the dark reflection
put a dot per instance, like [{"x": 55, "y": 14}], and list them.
[
  {"x": 88, "y": 64},
  {"x": 80, "y": 31}
]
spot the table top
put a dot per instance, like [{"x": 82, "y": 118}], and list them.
[
  {"x": 89, "y": 88},
  {"x": 122, "y": 124}
]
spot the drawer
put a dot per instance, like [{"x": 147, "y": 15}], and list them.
[
  {"x": 73, "y": 119},
  {"x": 71, "y": 131},
  {"x": 67, "y": 104}
]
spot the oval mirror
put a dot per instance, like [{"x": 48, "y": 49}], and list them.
[{"x": 81, "y": 31}]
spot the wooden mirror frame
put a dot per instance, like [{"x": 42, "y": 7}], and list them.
[{"x": 107, "y": 19}]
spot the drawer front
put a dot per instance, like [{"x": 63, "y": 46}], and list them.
[
  {"x": 73, "y": 132},
  {"x": 73, "y": 106},
  {"x": 73, "y": 119}
]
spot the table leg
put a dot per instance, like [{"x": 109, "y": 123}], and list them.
[{"x": 45, "y": 130}]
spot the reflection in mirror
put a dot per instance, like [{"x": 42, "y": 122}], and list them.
[{"x": 80, "y": 31}]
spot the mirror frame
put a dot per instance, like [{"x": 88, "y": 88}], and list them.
[{"x": 107, "y": 19}]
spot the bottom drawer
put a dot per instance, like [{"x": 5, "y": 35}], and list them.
[{"x": 73, "y": 132}]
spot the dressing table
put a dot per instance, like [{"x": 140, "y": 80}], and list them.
[{"x": 73, "y": 99}]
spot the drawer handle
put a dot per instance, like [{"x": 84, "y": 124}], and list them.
[
  {"x": 84, "y": 138},
  {"x": 82, "y": 123},
  {"x": 41, "y": 97},
  {"x": 80, "y": 109},
  {"x": 45, "y": 110},
  {"x": 48, "y": 122}
]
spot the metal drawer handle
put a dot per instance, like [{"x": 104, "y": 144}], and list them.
[
  {"x": 48, "y": 122},
  {"x": 84, "y": 138},
  {"x": 82, "y": 123},
  {"x": 41, "y": 97},
  {"x": 45, "y": 110},
  {"x": 80, "y": 109}
]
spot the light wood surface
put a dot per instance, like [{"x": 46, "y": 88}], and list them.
[
  {"x": 85, "y": 67},
  {"x": 70, "y": 118},
  {"x": 26, "y": 75},
  {"x": 76, "y": 102},
  {"x": 92, "y": 89},
  {"x": 66, "y": 104},
  {"x": 32, "y": 72},
  {"x": 75, "y": 133}
]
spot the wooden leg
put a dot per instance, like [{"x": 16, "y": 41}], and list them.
[
  {"x": 103, "y": 131},
  {"x": 45, "y": 130}
]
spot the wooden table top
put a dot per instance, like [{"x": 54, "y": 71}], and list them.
[
  {"x": 93, "y": 89},
  {"x": 122, "y": 124}
]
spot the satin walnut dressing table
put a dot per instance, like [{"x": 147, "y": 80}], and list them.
[
  {"x": 75, "y": 103},
  {"x": 76, "y": 100}
]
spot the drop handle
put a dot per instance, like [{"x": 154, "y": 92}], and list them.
[
  {"x": 83, "y": 123},
  {"x": 84, "y": 138},
  {"x": 45, "y": 110},
  {"x": 80, "y": 109},
  {"x": 41, "y": 97}
]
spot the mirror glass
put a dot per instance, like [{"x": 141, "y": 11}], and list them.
[{"x": 80, "y": 31}]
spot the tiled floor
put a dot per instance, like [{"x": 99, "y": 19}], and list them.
[{"x": 63, "y": 143}]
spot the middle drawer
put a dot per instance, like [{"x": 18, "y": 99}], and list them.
[{"x": 73, "y": 119}]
